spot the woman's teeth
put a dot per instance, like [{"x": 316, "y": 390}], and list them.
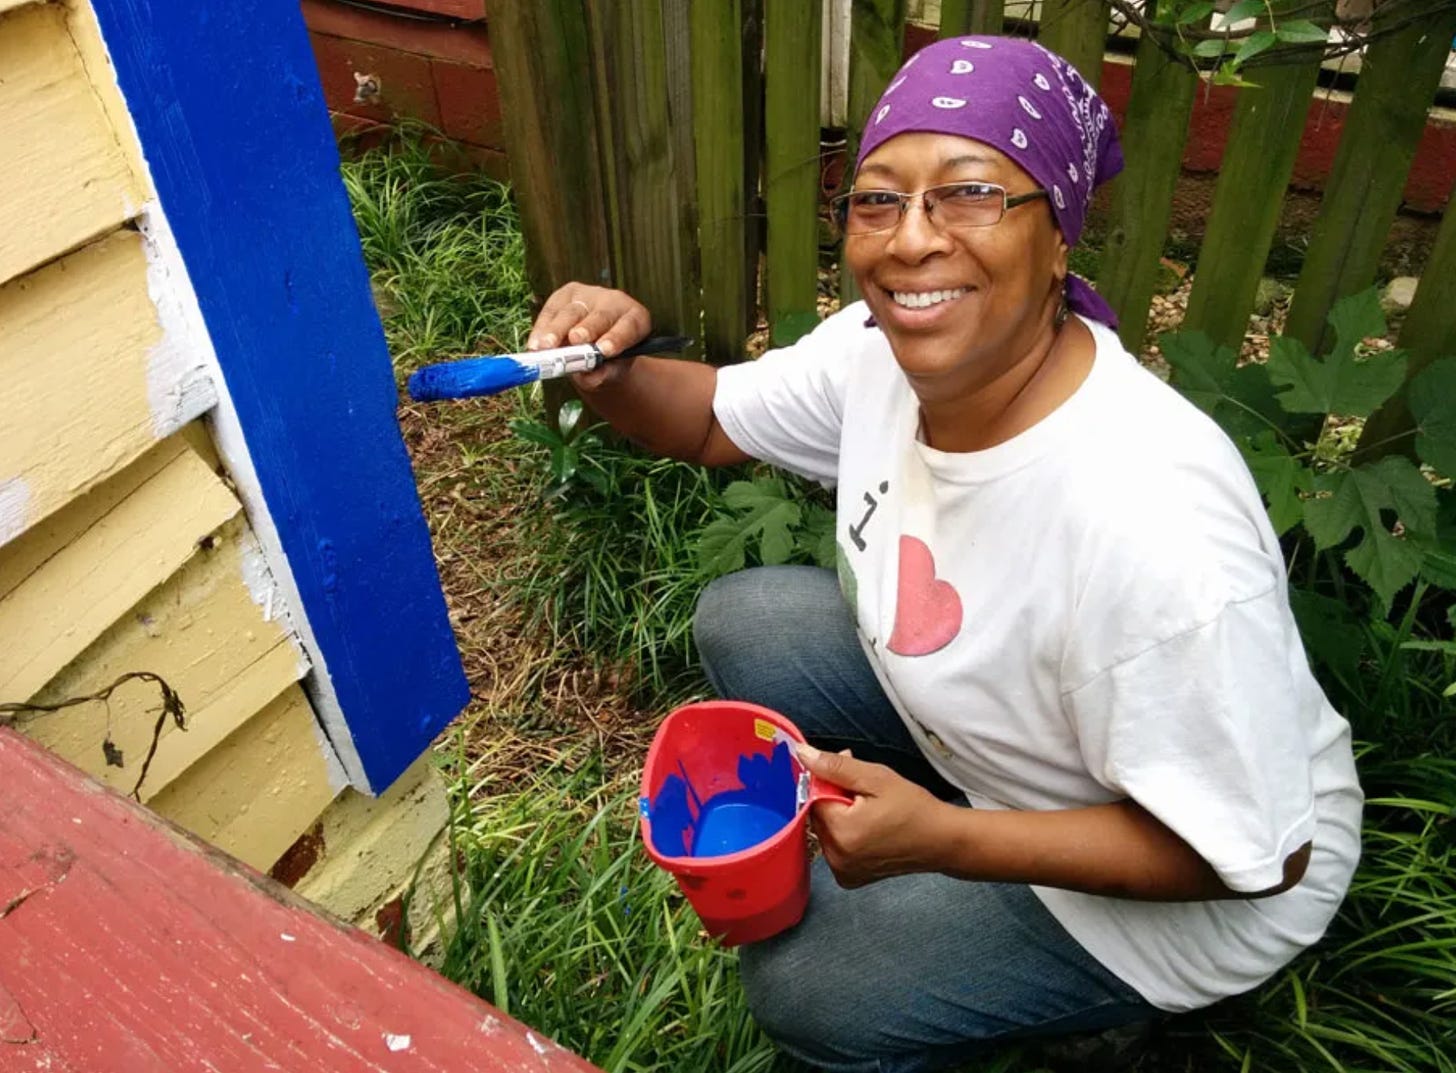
[{"x": 922, "y": 299}]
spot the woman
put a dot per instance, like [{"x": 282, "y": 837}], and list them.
[{"x": 1059, "y": 600}]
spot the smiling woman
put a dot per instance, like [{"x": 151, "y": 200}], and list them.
[{"x": 1035, "y": 614}]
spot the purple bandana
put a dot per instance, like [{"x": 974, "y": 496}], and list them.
[{"x": 1024, "y": 100}]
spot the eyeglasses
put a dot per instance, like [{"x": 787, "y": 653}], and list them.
[{"x": 950, "y": 205}]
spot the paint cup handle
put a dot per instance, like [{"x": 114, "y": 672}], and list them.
[{"x": 819, "y": 790}]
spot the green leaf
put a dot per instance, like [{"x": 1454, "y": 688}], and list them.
[
  {"x": 1241, "y": 400},
  {"x": 1341, "y": 383},
  {"x": 1244, "y": 9},
  {"x": 1432, "y": 398},
  {"x": 1302, "y": 32},
  {"x": 1438, "y": 565},
  {"x": 816, "y": 538},
  {"x": 535, "y": 432},
  {"x": 1280, "y": 476},
  {"x": 1195, "y": 13},
  {"x": 765, "y": 514},
  {"x": 1211, "y": 47},
  {"x": 1257, "y": 42},
  {"x": 1331, "y": 633},
  {"x": 1355, "y": 501}
]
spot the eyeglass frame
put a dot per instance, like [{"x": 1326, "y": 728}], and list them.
[{"x": 839, "y": 205}]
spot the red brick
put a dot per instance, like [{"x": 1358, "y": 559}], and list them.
[
  {"x": 468, "y": 43},
  {"x": 469, "y": 103},
  {"x": 1433, "y": 172},
  {"x": 454, "y": 9},
  {"x": 407, "y": 87}
]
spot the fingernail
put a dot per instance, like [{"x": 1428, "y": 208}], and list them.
[
  {"x": 607, "y": 347},
  {"x": 806, "y": 753},
  {"x": 577, "y": 334},
  {"x": 532, "y": 343},
  {"x": 548, "y": 340}
]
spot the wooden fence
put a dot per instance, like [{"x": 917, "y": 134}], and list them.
[{"x": 672, "y": 148}]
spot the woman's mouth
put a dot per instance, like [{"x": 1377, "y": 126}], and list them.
[{"x": 925, "y": 299}]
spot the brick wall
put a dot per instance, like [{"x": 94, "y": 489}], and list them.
[{"x": 428, "y": 60}]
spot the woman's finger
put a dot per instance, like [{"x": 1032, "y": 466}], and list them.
[
  {"x": 593, "y": 323},
  {"x": 562, "y": 312},
  {"x": 628, "y": 330}
]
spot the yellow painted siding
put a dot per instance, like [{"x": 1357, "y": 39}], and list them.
[
  {"x": 203, "y": 632},
  {"x": 10, "y": 5},
  {"x": 65, "y": 179},
  {"x": 77, "y": 374},
  {"x": 257, "y": 791},
  {"x": 53, "y": 612}
]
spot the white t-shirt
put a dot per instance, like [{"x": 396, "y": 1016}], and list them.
[{"x": 1093, "y": 610}]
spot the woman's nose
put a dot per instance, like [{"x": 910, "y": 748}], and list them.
[{"x": 917, "y": 235}]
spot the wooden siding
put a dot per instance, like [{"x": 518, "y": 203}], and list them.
[
  {"x": 82, "y": 358},
  {"x": 66, "y": 179}
]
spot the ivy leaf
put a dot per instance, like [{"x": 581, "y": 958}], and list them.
[
  {"x": 1280, "y": 476},
  {"x": 1257, "y": 42},
  {"x": 1210, "y": 47},
  {"x": 765, "y": 514},
  {"x": 1241, "y": 400},
  {"x": 1195, "y": 13},
  {"x": 1339, "y": 384},
  {"x": 1244, "y": 9},
  {"x": 1302, "y": 32},
  {"x": 1356, "y": 500},
  {"x": 1432, "y": 398}
]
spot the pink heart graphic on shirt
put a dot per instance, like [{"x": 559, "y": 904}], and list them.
[{"x": 927, "y": 610}]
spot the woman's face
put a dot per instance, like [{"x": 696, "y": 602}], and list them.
[{"x": 990, "y": 286}]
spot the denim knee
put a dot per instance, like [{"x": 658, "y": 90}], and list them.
[{"x": 807, "y": 1015}]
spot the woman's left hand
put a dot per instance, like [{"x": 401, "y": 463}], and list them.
[{"x": 891, "y": 829}]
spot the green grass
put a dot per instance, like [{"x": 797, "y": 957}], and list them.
[{"x": 564, "y": 923}]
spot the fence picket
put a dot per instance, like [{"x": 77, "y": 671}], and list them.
[
  {"x": 1398, "y": 80},
  {"x": 1263, "y": 143},
  {"x": 876, "y": 44},
  {"x": 1076, "y": 30},
  {"x": 645, "y": 201},
  {"x": 718, "y": 124},
  {"x": 1154, "y": 132},
  {"x": 791, "y": 167},
  {"x": 540, "y": 49},
  {"x": 1429, "y": 333},
  {"x": 959, "y": 17}
]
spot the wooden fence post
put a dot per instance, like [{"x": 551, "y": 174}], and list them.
[
  {"x": 1398, "y": 80},
  {"x": 645, "y": 196},
  {"x": 959, "y": 17},
  {"x": 1429, "y": 333},
  {"x": 717, "y": 48},
  {"x": 876, "y": 45},
  {"x": 791, "y": 169},
  {"x": 1154, "y": 132},
  {"x": 1263, "y": 143},
  {"x": 543, "y": 63},
  {"x": 1076, "y": 30}
]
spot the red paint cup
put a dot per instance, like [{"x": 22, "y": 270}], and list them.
[{"x": 756, "y": 892}]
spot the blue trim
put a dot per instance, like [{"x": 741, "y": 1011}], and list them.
[{"x": 231, "y": 115}]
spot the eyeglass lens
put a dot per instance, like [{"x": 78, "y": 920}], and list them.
[{"x": 952, "y": 205}]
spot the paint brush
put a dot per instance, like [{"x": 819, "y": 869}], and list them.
[{"x": 491, "y": 375}]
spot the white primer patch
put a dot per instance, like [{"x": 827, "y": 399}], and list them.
[
  {"x": 340, "y": 756},
  {"x": 397, "y": 1043},
  {"x": 14, "y": 508},
  {"x": 536, "y": 1045},
  {"x": 180, "y": 383}
]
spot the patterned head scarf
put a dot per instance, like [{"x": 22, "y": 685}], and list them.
[{"x": 1024, "y": 100}]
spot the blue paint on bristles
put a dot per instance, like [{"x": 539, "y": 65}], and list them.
[{"x": 470, "y": 377}]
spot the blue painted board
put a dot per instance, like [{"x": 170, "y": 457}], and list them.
[{"x": 227, "y": 102}]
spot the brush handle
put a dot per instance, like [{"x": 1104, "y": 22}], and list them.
[{"x": 471, "y": 377}]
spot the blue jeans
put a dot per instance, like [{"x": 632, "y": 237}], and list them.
[{"x": 916, "y": 972}]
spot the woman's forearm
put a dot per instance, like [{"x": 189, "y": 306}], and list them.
[
  {"x": 1118, "y": 849},
  {"x": 665, "y": 405}
]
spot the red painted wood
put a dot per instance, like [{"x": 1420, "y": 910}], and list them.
[
  {"x": 407, "y": 86},
  {"x": 128, "y": 946},
  {"x": 469, "y": 102}
]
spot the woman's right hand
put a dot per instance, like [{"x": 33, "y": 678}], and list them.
[{"x": 578, "y": 313}]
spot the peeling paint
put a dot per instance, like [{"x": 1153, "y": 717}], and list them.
[
  {"x": 536, "y": 1045},
  {"x": 180, "y": 367},
  {"x": 397, "y": 1043},
  {"x": 14, "y": 508}
]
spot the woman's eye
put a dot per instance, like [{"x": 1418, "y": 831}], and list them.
[
  {"x": 876, "y": 199},
  {"x": 967, "y": 192}
]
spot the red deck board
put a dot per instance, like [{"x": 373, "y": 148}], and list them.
[{"x": 127, "y": 945}]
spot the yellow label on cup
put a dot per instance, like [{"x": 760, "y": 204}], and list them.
[{"x": 764, "y": 729}]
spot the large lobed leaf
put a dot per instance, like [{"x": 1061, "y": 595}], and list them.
[
  {"x": 1342, "y": 383},
  {"x": 764, "y": 513},
  {"x": 1240, "y": 399},
  {"x": 1432, "y": 397},
  {"x": 1282, "y": 478},
  {"x": 1358, "y": 500}
]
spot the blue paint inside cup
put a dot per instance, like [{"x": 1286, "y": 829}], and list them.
[{"x": 730, "y": 821}]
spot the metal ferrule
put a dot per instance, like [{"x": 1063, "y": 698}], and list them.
[{"x": 562, "y": 361}]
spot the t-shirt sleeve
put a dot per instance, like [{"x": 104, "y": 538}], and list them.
[
  {"x": 787, "y": 407},
  {"x": 1206, "y": 731}
]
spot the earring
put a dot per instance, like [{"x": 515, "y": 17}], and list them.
[{"x": 1060, "y": 317}]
